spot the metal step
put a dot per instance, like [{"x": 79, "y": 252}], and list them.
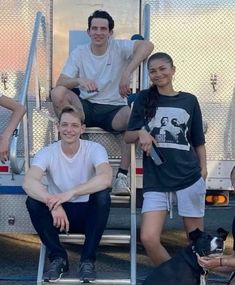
[
  {"x": 120, "y": 199},
  {"x": 109, "y": 237},
  {"x": 97, "y": 281}
]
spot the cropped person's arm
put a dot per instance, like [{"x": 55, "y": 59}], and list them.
[
  {"x": 18, "y": 112},
  {"x": 33, "y": 184},
  {"x": 142, "y": 49},
  {"x": 201, "y": 154},
  {"x": 101, "y": 181}
]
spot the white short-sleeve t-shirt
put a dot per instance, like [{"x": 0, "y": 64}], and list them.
[
  {"x": 64, "y": 173},
  {"x": 106, "y": 70}
]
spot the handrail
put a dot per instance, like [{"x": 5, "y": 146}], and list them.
[
  {"x": 146, "y": 32},
  {"x": 18, "y": 164}
]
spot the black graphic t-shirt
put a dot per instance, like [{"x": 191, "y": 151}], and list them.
[{"x": 177, "y": 127}]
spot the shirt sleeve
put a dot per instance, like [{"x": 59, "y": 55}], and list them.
[
  {"x": 136, "y": 121},
  {"x": 41, "y": 159},
  {"x": 99, "y": 155},
  {"x": 197, "y": 135},
  {"x": 126, "y": 47}
]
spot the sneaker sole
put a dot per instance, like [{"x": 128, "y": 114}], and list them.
[
  {"x": 88, "y": 280},
  {"x": 56, "y": 280}
]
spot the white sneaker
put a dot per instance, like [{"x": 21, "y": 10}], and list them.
[{"x": 120, "y": 186}]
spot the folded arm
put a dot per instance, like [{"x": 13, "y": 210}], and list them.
[
  {"x": 35, "y": 189},
  {"x": 101, "y": 181},
  {"x": 33, "y": 185}
]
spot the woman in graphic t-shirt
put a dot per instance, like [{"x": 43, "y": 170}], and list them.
[{"x": 182, "y": 174}]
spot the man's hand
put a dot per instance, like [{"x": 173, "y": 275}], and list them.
[
  {"x": 87, "y": 84},
  {"x": 124, "y": 85},
  {"x": 145, "y": 140},
  {"x": 60, "y": 219},
  {"x": 54, "y": 201},
  {"x": 4, "y": 144}
]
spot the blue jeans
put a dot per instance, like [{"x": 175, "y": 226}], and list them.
[{"x": 88, "y": 218}]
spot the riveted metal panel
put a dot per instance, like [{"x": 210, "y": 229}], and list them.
[{"x": 14, "y": 215}]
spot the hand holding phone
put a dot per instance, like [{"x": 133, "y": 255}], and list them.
[{"x": 156, "y": 155}]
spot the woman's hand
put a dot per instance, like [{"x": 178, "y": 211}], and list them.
[
  {"x": 145, "y": 140},
  {"x": 204, "y": 173},
  {"x": 208, "y": 262}
]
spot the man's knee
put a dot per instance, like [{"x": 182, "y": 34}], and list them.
[
  {"x": 33, "y": 205},
  {"x": 121, "y": 119},
  {"x": 102, "y": 198},
  {"x": 58, "y": 94}
]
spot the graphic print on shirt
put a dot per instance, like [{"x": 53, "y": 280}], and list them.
[{"x": 169, "y": 127}]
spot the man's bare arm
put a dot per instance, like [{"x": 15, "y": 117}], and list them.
[
  {"x": 71, "y": 83},
  {"x": 67, "y": 81},
  {"x": 101, "y": 181},
  {"x": 33, "y": 185},
  {"x": 142, "y": 49}
]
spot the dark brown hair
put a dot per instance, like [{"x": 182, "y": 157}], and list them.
[
  {"x": 103, "y": 15},
  {"x": 151, "y": 100}
]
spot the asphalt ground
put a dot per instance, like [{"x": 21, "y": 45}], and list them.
[{"x": 19, "y": 253}]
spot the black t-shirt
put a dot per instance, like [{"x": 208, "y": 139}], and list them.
[{"x": 177, "y": 127}]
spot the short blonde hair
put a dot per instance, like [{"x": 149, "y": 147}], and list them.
[{"x": 79, "y": 113}]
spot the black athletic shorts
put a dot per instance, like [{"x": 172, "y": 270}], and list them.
[{"x": 98, "y": 115}]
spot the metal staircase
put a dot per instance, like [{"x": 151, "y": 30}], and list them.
[{"x": 95, "y": 134}]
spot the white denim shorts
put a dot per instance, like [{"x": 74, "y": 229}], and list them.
[{"x": 190, "y": 201}]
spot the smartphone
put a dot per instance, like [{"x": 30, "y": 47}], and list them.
[{"x": 156, "y": 155}]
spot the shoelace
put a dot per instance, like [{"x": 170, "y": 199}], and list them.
[{"x": 87, "y": 267}]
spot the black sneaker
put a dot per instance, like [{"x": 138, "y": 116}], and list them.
[
  {"x": 56, "y": 268},
  {"x": 87, "y": 271}
]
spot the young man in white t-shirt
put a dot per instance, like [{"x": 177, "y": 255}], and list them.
[
  {"x": 97, "y": 75},
  {"x": 74, "y": 168},
  {"x": 18, "y": 111}
]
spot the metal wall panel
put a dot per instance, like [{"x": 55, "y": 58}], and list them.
[
  {"x": 199, "y": 35},
  {"x": 17, "y": 23}
]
